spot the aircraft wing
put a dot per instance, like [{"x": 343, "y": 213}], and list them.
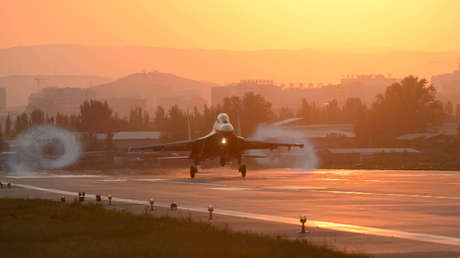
[
  {"x": 259, "y": 145},
  {"x": 172, "y": 146},
  {"x": 172, "y": 158},
  {"x": 252, "y": 156}
]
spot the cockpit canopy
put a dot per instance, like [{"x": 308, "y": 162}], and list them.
[
  {"x": 222, "y": 123},
  {"x": 223, "y": 118}
]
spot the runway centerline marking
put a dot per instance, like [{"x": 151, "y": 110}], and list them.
[
  {"x": 300, "y": 188},
  {"x": 391, "y": 194},
  {"x": 285, "y": 220},
  {"x": 111, "y": 180},
  {"x": 231, "y": 188},
  {"x": 293, "y": 187},
  {"x": 150, "y": 180},
  {"x": 52, "y": 176}
]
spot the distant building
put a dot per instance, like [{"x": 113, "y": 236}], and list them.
[
  {"x": 324, "y": 130},
  {"x": 2, "y": 100},
  {"x": 445, "y": 129},
  {"x": 185, "y": 100},
  {"x": 365, "y": 87},
  {"x": 59, "y": 100},
  {"x": 448, "y": 85},
  {"x": 124, "y": 140}
]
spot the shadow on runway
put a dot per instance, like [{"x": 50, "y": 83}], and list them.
[{"x": 215, "y": 179}]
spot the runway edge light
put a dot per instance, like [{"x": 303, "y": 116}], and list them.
[
  {"x": 173, "y": 206},
  {"x": 81, "y": 197},
  {"x": 210, "y": 209},
  {"x": 151, "y": 202},
  {"x": 303, "y": 220},
  {"x": 110, "y": 199}
]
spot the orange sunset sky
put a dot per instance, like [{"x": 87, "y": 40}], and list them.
[{"x": 357, "y": 25}]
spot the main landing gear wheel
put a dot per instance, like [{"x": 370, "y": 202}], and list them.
[
  {"x": 242, "y": 169},
  {"x": 193, "y": 171}
]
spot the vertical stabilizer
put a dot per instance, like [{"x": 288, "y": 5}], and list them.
[
  {"x": 189, "y": 128},
  {"x": 238, "y": 125}
]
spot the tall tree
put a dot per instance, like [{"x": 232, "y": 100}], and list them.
[
  {"x": 233, "y": 106},
  {"x": 177, "y": 123},
  {"x": 252, "y": 110},
  {"x": 457, "y": 113},
  {"x": 21, "y": 123},
  {"x": 408, "y": 106},
  {"x": 37, "y": 117},
  {"x": 332, "y": 111},
  {"x": 353, "y": 109},
  {"x": 285, "y": 113},
  {"x": 96, "y": 117},
  {"x": 1, "y": 137},
  {"x": 306, "y": 111},
  {"x": 62, "y": 120},
  {"x": 209, "y": 116},
  {"x": 458, "y": 130},
  {"x": 8, "y": 124},
  {"x": 257, "y": 110},
  {"x": 136, "y": 119},
  {"x": 160, "y": 119},
  {"x": 449, "y": 108}
]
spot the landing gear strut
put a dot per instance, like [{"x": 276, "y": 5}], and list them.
[
  {"x": 242, "y": 169},
  {"x": 222, "y": 161},
  {"x": 193, "y": 171}
]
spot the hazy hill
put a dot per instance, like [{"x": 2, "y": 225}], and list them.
[
  {"x": 19, "y": 87},
  {"x": 150, "y": 86},
  {"x": 221, "y": 66}
]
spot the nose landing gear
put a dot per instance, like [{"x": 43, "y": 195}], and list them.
[
  {"x": 222, "y": 161},
  {"x": 193, "y": 171},
  {"x": 242, "y": 170}
]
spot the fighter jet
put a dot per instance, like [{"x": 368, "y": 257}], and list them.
[{"x": 222, "y": 143}]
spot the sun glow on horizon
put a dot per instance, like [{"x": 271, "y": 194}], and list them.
[{"x": 357, "y": 25}]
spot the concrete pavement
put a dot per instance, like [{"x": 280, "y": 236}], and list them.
[{"x": 389, "y": 213}]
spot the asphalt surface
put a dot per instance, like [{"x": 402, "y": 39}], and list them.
[{"x": 386, "y": 213}]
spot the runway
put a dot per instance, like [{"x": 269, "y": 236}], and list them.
[{"x": 395, "y": 212}]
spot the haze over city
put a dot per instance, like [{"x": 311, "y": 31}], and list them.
[
  {"x": 231, "y": 128},
  {"x": 222, "y": 42}
]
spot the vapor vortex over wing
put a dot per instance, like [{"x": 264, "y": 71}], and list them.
[{"x": 45, "y": 147}]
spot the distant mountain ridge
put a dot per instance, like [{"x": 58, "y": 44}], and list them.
[
  {"x": 19, "y": 87},
  {"x": 221, "y": 66},
  {"x": 149, "y": 86}
]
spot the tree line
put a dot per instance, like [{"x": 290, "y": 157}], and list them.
[
  {"x": 408, "y": 106},
  {"x": 98, "y": 117}
]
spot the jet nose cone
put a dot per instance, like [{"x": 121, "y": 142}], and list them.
[{"x": 226, "y": 128}]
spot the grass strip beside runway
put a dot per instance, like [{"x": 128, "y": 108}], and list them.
[{"x": 42, "y": 228}]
